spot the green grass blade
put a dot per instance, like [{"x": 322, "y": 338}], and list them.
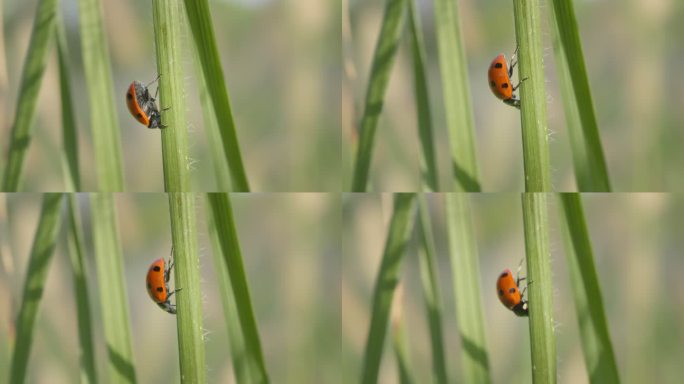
[
  {"x": 533, "y": 95},
  {"x": 113, "y": 295},
  {"x": 41, "y": 254},
  {"x": 591, "y": 317},
  {"x": 72, "y": 175},
  {"x": 103, "y": 117},
  {"x": 187, "y": 278},
  {"x": 31, "y": 79},
  {"x": 238, "y": 349},
  {"x": 571, "y": 61},
  {"x": 399, "y": 342},
  {"x": 431, "y": 292},
  {"x": 85, "y": 327},
  {"x": 466, "y": 273},
  {"x": 456, "y": 90},
  {"x": 383, "y": 61},
  {"x": 205, "y": 41},
  {"x": 428, "y": 161},
  {"x": 222, "y": 212},
  {"x": 169, "y": 20},
  {"x": 386, "y": 282},
  {"x": 542, "y": 337}
]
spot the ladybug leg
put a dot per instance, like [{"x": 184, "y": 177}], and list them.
[
  {"x": 518, "y": 85},
  {"x": 522, "y": 293},
  {"x": 153, "y": 81},
  {"x": 179, "y": 289}
]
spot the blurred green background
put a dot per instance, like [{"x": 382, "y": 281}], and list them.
[
  {"x": 637, "y": 242},
  {"x": 282, "y": 64},
  {"x": 634, "y": 57},
  {"x": 291, "y": 249}
]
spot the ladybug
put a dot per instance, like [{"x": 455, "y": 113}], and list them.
[
  {"x": 142, "y": 106},
  {"x": 158, "y": 284},
  {"x": 509, "y": 293},
  {"x": 499, "y": 76}
]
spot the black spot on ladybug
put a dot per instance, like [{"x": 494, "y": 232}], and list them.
[
  {"x": 129, "y": 96},
  {"x": 149, "y": 286},
  {"x": 512, "y": 290},
  {"x": 492, "y": 84},
  {"x": 500, "y": 292},
  {"x": 160, "y": 289},
  {"x": 156, "y": 268},
  {"x": 503, "y": 275},
  {"x": 140, "y": 117},
  {"x": 498, "y": 65},
  {"x": 504, "y": 85}
]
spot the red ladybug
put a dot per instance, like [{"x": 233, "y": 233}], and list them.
[
  {"x": 158, "y": 284},
  {"x": 509, "y": 293},
  {"x": 499, "y": 76},
  {"x": 142, "y": 105}
]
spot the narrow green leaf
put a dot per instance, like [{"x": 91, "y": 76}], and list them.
[
  {"x": 383, "y": 61},
  {"x": 571, "y": 61},
  {"x": 466, "y": 272},
  {"x": 169, "y": 20},
  {"x": 399, "y": 342},
  {"x": 456, "y": 90},
  {"x": 533, "y": 95},
  {"x": 205, "y": 41},
  {"x": 31, "y": 79},
  {"x": 540, "y": 292},
  {"x": 39, "y": 263},
  {"x": 230, "y": 246},
  {"x": 386, "y": 282},
  {"x": 113, "y": 296},
  {"x": 591, "y": 317},
  {"x": 431, "y": 291},
  {"x": 428, "y": 161},
  {"x": 103, "y": 117}
]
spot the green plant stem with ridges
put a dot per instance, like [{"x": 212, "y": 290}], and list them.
[
  {"x": 31, "y": 79},
  {"x": 386, "y": 282},
  {"x": 572, "y": 59},
  {"x": 540, "y": 291},
  {"x": 103, "y": 118},
  {"x": 401, "y": 351},
  {"x": 205, "y": 41},
  {"x": 431, "y": 292},
  {"x": 113, "y": 296},
  {"x": 381, "y": 68},
  {"x": 591, "y": 317},
  {"x": 222, "y": 212},
  {"x": 39, "y": 262},
  {"x": 533, "y": 95},
  {"x": 466, "y": 273},
  {"x": 428, "y": 161},
  {"x": 169, "y": 20},
  {"x": 456, "y": 91}
]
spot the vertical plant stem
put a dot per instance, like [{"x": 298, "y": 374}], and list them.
[
  {"x": 532, "y": 95},
  {"x": 113, "y": 295},
  {"x": 381, "y": 68},
  {"x": 466, "y": 272},
  {"x": 542, "y": 338},
  {"x": 31, "y": 79},
  {"x": 187, "y": 278},
  {"x": 39, "y": 262},
  {"x": 399, "y": 342},
  {"x": 386, "y": 282}
]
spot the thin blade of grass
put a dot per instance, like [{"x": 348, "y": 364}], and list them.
[
  {"x": 103, "y": 118},
  {"x": 540, "y": 292},
  {"x": 571, "y": 63},
  {"x": 205, "y": 41},
  {"x": 187, "y": 277},
  {"x": 31, "y": 79},
  {"x": 169, "y": 20},
  {"x": 85, "y": 327},
  {"x": 399, "y": 342},
  {"x": 113, "y": 295},
  {"x": 456, "y": 91},
  {"x": 385, "y": 283},
  {"x": 591, "y": 315},
  {"x": 466, "y": 273},
  {"x": 222, "y": 212},
  {"x": 428, "y": 162},
  {"x": 533, "y": 96},
  {"x": 39, "y": 262},
  {"x": 72, "y": 175},
  {"x": 381, "y": 68},
  {"x": 431, "y": 291}
]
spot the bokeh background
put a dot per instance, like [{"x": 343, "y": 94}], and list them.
[
  {"x": 634, "y": 57},
  {"x": 282, "y": 64},
  {"x": 291, "y": 249},
  {"x": 637, "y": 243}
]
